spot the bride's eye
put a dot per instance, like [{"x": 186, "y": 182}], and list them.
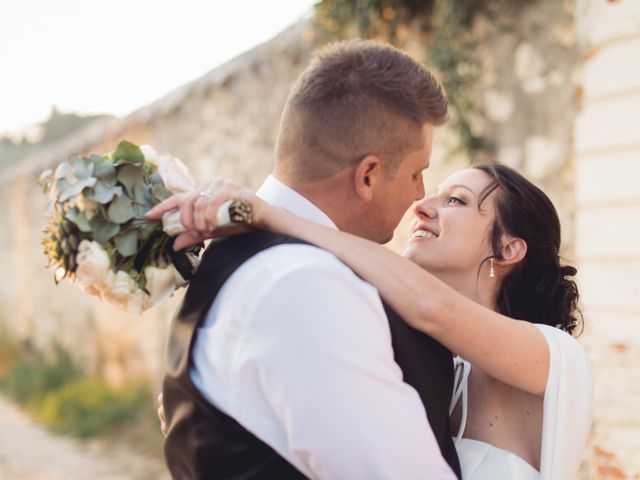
[{"x": 455, "y": 201}]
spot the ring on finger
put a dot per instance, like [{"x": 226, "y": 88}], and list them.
[{"x": 206, "y": 195}]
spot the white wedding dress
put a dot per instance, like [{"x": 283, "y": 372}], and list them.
[{"x": 567, "y": 416}]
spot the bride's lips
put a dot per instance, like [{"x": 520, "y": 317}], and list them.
[{"x": 424, "y": 231}]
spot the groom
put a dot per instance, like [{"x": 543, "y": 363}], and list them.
[{"x": 281, "y": 362}]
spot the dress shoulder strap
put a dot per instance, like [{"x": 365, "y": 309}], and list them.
[{"x": 462, "y": 369}]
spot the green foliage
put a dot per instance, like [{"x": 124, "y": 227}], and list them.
[
  {"x": 453, "y": 52},
  {"x": 451, "y": 49},
  {"x": 382, "y": 19},
  {"x": 57, "y": 393},
  {"x": 30, "y": 378},
  {"x": 88, "y": 407}
]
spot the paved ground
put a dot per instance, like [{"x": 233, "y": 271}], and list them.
[{"x": 30, "y": 452}]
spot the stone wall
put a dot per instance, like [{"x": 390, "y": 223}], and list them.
[{"x": 607, "y": 152}]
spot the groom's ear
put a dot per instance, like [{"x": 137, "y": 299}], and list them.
[{"x": 367, "y": 177}]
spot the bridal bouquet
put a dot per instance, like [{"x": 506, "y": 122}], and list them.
[{"x": 96, "y": 234}]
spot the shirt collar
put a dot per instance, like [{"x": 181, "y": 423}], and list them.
[{"x": 276, "y": 192}]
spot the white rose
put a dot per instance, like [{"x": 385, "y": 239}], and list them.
[
  {"x": 118, "y": 288},
  {"x": 93, "y": 265},
  {"x": 150, "y": 155},
  {"x": 171, "y": 223},
  {"x": 161, "y": 283},
  {"x": 88, "y": 207},
  {"x": 175, "y": 174},
  {"x": 138, "y": 302}
]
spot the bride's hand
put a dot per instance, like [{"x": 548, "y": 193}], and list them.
[{"x": 199, "y": 209}]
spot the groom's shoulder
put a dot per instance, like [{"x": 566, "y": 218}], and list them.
[{"x": 293, "y": 260}]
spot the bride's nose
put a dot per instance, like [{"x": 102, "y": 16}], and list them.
[{"x": 424, "y": 208}]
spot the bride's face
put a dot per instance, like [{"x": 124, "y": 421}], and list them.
[{"x": 451, "y": 231}]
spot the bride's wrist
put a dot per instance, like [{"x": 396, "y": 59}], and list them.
[{"x": 270, "y": 217}]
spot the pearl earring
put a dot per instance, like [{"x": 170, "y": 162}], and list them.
[{"x": 492, "y": 272}]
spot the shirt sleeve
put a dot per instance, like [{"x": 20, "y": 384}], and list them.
[
  {"x": 568, "y": 406},
  {"x": 321, "y": 348}
]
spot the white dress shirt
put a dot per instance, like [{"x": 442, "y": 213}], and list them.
[{"x": 297, "y": 349}]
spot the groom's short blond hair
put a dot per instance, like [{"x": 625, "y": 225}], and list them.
[{"x": 356, "y": 98}]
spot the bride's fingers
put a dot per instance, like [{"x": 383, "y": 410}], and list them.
[
  {"x": 200, "y": 214},
  {"x": 186, "y": 211},
  {"x": 214, "y": 204},
  {"x": 167, "y": 205}
]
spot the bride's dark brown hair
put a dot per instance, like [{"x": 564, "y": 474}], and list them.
[{"x": 539, "y": 289}]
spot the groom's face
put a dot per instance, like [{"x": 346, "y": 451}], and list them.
[{"x": 399, "y": 192}]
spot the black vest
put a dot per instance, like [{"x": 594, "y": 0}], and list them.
[{"x": 205, "y": 443}]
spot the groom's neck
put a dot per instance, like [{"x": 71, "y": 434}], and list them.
[{"x": 333, "y": 195}]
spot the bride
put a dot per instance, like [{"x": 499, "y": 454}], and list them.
[{"x": 481, "y": 274}]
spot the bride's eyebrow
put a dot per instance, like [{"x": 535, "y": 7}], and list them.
[
  {"x": 457, "y": 185},
  {"x": 436, "y": 191}
]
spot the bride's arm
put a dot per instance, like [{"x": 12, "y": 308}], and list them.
[{"x": 513, "y": 351}]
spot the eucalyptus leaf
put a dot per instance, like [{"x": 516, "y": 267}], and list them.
[
  {"x": 102, "y": 168},
  {"x": 73, "y": 190},
  {"x": 103, "y": 230},
  {"x": 155, "y": 178},
  {"x": 82, "y": 222},
  {"x": 127, "y": 152},
  {"x": 121, "y": 209},
  {"x": 62, "y": 170},
  {"x": 72, "y": 214},
  {"x": 139, "y": 210},
  {"x": 103, "y": 193},
  {"x": 130, "y": 176},
  {"x": 82, "y": 167},
  {"x": 160, "y": 192},
  {"x": 127, "y": 242}
]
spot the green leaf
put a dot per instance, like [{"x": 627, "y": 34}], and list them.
[
  {"x": 127, "y": 152},
  {"x": 72, "y": 190},
  {"x": 62, "y": 170},
  {"x": 72, "y": 214},
  {"x": 82, "y": 167},
  {"x": 155, "y": 178},
  {"x": 127, "y": 242},
  {"x": 160, "y": 192},
  {"x": 79, "y": 218},
  {"x": 102, "y": 168},
  {"x": 83, "y": 223},
  {"x": 131, "y": 176},
  {"x": 121, "y": 210},
  {"x": 103, "y": 230},
  {"x": 103, "y": 193}
]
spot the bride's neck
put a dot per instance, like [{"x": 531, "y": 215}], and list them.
[{"x": 473, "y": 288}]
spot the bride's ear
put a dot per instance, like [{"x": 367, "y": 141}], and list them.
[
  {"x": 512, "y": 251},
  {"x": 367, "y": 177}
]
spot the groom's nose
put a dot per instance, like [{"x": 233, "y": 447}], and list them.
[
  {"x": 420, "y": 192},
  {"x": 424, "y": 208}
]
